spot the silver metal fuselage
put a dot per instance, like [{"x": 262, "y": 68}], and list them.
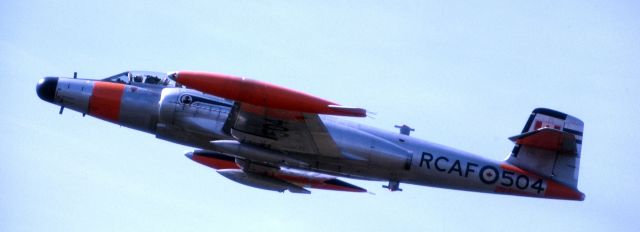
[{"x": 367, "y": 153}]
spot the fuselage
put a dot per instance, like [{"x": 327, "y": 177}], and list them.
[{"x": 194, "y": 119}]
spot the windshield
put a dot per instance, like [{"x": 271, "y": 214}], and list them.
[
  {"x": 119, "y": 78},
  {"x": 143, "y": 78}
]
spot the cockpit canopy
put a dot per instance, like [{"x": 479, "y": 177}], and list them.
[{"x": 145, "y": 78}]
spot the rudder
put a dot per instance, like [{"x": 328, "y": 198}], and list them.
[{"x": 550, "y": 146}]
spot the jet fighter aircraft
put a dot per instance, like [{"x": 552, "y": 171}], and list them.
[{"x": 274, "y": 138}]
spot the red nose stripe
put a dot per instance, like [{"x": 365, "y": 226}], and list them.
[{"x": 105, "y": 101}]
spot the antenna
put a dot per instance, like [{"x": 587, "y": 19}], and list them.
[{"x": 404, "y": 129}]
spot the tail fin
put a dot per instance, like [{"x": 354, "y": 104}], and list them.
[{"x": 550, "y": 146}]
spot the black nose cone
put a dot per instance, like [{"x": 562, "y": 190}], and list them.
[{"x": 46, "y": 88}]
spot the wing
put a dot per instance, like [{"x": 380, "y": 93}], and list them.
[
  {"x": 271, "y": 116},
  {"x": 281, "y": 130}
]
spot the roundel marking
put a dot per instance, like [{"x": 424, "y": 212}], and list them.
[{"x": 489, "y": 174}]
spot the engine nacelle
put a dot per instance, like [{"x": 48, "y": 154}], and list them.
[{"x": 187, "y": 115}]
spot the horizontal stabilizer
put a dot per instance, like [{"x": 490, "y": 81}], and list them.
[{"x": 548, "y": 139}]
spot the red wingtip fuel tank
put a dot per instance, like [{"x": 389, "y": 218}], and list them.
[{"x": 261, "y": 93}]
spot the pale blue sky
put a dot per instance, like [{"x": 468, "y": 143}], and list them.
[{"x": 464, "y": 74}]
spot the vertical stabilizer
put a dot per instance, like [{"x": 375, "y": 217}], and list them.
[{"x": 550, "y": 146}]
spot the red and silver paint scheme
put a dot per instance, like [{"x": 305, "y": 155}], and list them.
[
  {"x": 274, "y": 138},
  {"x": 272, "y": 178}
]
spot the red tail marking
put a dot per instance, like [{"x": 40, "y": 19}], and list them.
[
  {"x": 553, "y": 189},
  {"x": 560, "y": 191},
  {"x": 518, "y": 170}
]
